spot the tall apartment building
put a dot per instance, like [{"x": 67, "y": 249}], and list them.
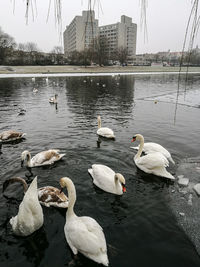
[
  {"x": 80, "y": 32},
  {"x": 121, "y": 35}
]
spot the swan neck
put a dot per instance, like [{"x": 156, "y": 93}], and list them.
[
  {"x": 140, "y": 148},
  {"x": 99, "y": 122},
  {"x": 29, "y": 159},
  {"x": 72, "y": 199},
  {"x": 118, "y": 185},
  {"x": 25, "y": 186}
]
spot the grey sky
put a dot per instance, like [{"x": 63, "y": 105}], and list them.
[{"x": 166, "y": 19}]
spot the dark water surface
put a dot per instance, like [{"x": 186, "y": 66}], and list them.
[{"x": 140, "y": 227}]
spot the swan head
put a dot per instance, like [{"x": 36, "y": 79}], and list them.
[
  {"x": 137, "y": 137},
  {"x": 67, "y": 182},
  {"x": 119, "y": 177},
  {"x": 64, "y": 181},
  {"x": 25, "y": 156}
]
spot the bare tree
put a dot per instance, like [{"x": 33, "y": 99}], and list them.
[
  {"x": 99, "y": 47},
  {"x": 7, "y": 45},
  {"x": 57, "y": 55},
  {"x": 21, "y": 47},
  {"x": 31, "y": 47},
  {"x": 121, "y": 54},
  {"x": 57, "y": 50}
]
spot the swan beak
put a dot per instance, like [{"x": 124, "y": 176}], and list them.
[
  {"x": 123, "y": 188},
  {"x": 22, "y": 163},
  {"x": 133, "y": 140}
]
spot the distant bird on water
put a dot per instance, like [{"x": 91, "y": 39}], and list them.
[
  {"x": 104, "y": 131},
  {"x": 35, "y": 90},
  {"x": 53, "y": 99}
]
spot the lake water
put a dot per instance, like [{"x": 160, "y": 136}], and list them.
[{"x": 142, "y": 227}]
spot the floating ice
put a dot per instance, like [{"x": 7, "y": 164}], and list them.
[
  {"x": 183, "y": 181},
  {"x": 197, "y": 189}
]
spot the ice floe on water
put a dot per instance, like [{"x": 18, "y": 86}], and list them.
[
  {"x": 185, "y": 198},
  {"x": 79, "y": 74}
]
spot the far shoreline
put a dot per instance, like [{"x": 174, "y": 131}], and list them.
[{"x": 70, "y": 70}]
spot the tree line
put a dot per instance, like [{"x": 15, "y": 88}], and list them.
[
  {"x": 28, "y": 53},
  {"x": 99, "y": 53}
]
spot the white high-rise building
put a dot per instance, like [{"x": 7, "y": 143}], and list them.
[
  {"x": 121, "y": 35},
  {"x": 83, "y": 29},
  {"x": 80, "y": 32}
]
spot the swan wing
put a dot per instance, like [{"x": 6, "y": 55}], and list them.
[
  {"x": 46, "y": 157},
  {"x": 11, "y": 135},
  {"x": 51, "y": 196},
  {"x": 100, "y": 170},
  {"x": 86, "y": 235},
  {"x": 153, "y": 160},
  {"x": 150, "y": 147},
  {"x": 105, "y": 132},
  {"x": 103, "y": 177}
]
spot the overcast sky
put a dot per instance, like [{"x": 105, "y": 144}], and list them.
[{"x": 166, "y": 21}]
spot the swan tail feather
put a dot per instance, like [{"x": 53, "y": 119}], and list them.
[
  {"x": 170, "y": 159},
  {"x": 166, "y": 174},
  {"x": 91, "y": 172},
  {"x": 62, "y": 155}
]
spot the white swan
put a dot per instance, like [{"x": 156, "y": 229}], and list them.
[
  {"x": 35, "y": 90},
  {"x": 53, "y": 99},
  {"x": 11, "y": 135},
  {"x": 83, "y": 234},
  {"x": 104, "y": 131},
  {"x": 106, "y": 179},
  {"x": 30, "y": 214},
  {"x": 154, "y": 163},
  {"x": 43, "y": 158},
  {"x": 150, "y": 147},
  {"x": 48, "y": 196}
]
